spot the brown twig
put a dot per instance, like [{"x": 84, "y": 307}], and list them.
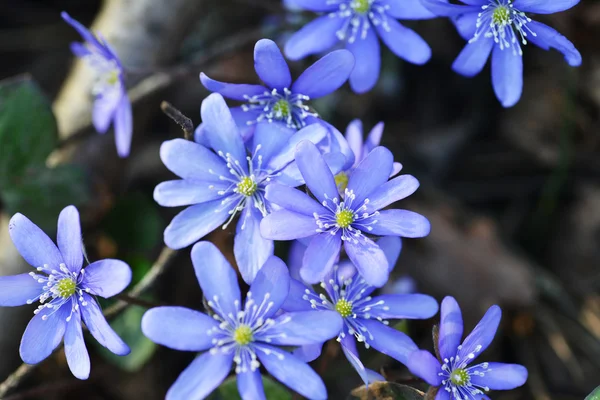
[{"x": 184, "y": 122}]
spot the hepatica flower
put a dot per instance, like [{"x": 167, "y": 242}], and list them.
[
  {"x": 358, "y": 24},
  {"x": 111, "y": 104},
  {"x": 223, "y": 179},
  {"x": 332, "y": 219},
  {"x": 365, "y": 317},
  {"x": 65, "y": 290},
  {"x": 242, "y": 333},
  {"x": 450, "y": 374},
  {"x": 502, "y": 28}
]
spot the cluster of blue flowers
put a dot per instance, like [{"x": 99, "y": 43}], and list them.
[{"x": 244, "y": 166}]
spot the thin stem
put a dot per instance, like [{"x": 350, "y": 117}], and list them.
[{"x": 184, "y": 122}]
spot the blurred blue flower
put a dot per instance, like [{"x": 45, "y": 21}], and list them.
[
  {"x": 334, "y": 219},
  {"x": 111, "y": 104},
  {"x": 242, "y": 333},
  {"x": 499, "y": 28},
  {"x": 365, "y": 317},
  {"x": 450, "y": 372},
  {"x": 65, "y": 291},
  {"x": 220, "y": 180},
  {"x": 358, "y": 23}
]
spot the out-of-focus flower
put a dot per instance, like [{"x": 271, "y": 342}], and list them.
[
  {"x": 500, "y": 28},
  {"x": 65, "y": 291},
  {"x": 359, "y": 23},
  {"x": 333, "y": 219},
  {"x": 244, "y": 333},
  {"x": 111, "y": 104},
  {"x": 450, "y": 373}
]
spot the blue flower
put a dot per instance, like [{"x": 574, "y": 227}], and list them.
[
  {"x": 65, "y": 291},
  {"x": 365, "y": 317},
  {"x": 334, "y": 219},
  {"x": 499, "y": 28},
  {"x": 111, "y": 103},
  {"x": 242, "y": 333},
  {"x": 220, "y": 180},
  {"x": 280, "y": 102},
  {"x": 358, "y": 23},
  {"x": 450, "y": 372}
]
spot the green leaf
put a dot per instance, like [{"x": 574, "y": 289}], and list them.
[
  {"x": 228, "y": 390},
  {"x": 595, "y": 395},
  {"x": 28, "y": 131},
  {"x": 41, "y": 193},
  {"x": 128, "y": 326},
  {"x": 386, "y": 391}
]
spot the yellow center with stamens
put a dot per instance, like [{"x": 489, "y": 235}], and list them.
[
  {"x": 282, "y": 109},
  {"x": 112, "y": 77},
  {"x": 247, "y": 186},
  {"x": 460, "y": 377},
  {"x": 66, "y": 288},
  {"x": 344, "y": 308},
  {"x": 344, "y": 218},
  {"x": 341, "y": 181},
  {"x": 501, "y": 16},
  {"x": 361, "y": 6},
  {"x": 243, "y": 335}
]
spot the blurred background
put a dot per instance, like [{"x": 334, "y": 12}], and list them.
[{"x": 513, "y": 195}]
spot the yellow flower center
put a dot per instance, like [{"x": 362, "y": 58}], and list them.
[
  {"x": 361, "y": 6},
  {"x": 344, "y": 308},
  {"x": 243, "y": 335},
  {"x": 247, "y": 186},
  {"x": 344, "y": 218},
  {"x": 341, "y": 181},
  {"x": 281, "y": 109},
  {"x": 460, "y": 377},
  {"x": 112, "y": 77},
  {"x": 66, "y": 288},
  {"x": 501, "y": 16}
]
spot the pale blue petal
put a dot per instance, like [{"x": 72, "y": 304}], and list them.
[
  {"x": 303, "y": 327},
  {"x": 99, "y": 328},
  {"x": 549, "y": 38},
  {"x": 271, "y": 137},
  {"x": 473, "y": 57},
  {"x": 407, "y": 9},
  {"x": 232, "y": 91},
  {"x": 293, "y": 200},
  {"x": 388, "y": 340},
  {"x": 374, "y": 138},
  {"x": 201, "y": 377},
  {"x": 251, "y": 250},
  {"x": 451, "y": 328},
  {"x": 544, "y": 6},
  {"x": 354, "y": 137},
  {"x": 309, "y": 352},
  {"x": 320, "y": 256},
  {"x": 424, "y": 365},
  {"x": 442, "y": 8},
  {"x": 372, "y": 172},
  {"x": 466, "y": 25},
  {"x": 367, "y": 53},
  {"x": 392, "y": 191},
  {"x": 315, "y": 171},
  {"x": 507, "y": 76},
  {"x": 76, "y": 353},
  {"x": 271, "y": 285},
  {"x": 314, "y": 38},
  {"x": 295, "y": 256},
  {"x": 123, "y": 126},
  {"x": 42, "y": 337},
  {"x": 404, "y": 42},
  {"x": 369, "y": 260},
  {"x": 313, "y": 133},
  {"x": 402, "y": 223},
  {"x": 186, "y": 192},
  {"x": 69, "y": 238},
  {"x": 250, "y": 385},
  {"x": 16, "y": 290},
  {"x": 107, "y": 277},
  {"x": 404, "y": 306},
  {"x": 192, "y": 161},
  {"x": 326, "y": 75},
  {"x": 270, "y": 65},
  {"x": 103, "y": 110},
  {"x": 287, "y": 225},
  {"x": 482, "y": 335},
  {"x": 391, "y": 247},
  {"x": 33, "y": 244},
  {"x": 352, "y": 357},
  {"x": 316, "y": 5},
  {"x": 294, "y": 301},
  {"x": 499, "y": 376}
]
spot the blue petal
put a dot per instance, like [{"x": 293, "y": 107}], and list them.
[
  {"x": 182, "y": 192},
  {"x": 499, "y": 376},
  {"x": 251, "y": 250},
  {"x": 314, "y": 38},
  {"x": 309, "y": 352},
  {"x": 313, "y": 133},
  {"x": 369, "y": 260},
  {"x": 354, "y": 137},
  {"x": 401, "y": 306},
  {"x": 473, "y": 57},
  {"x": 42, "y": 337},
  {"x": 544, "y": 6},
  {"x": 392, "y": 191},
  {"x": 179, "y": 328},
  {"x": 250, "y": 385},
  {"x": 292, "y": 372},
  {"x": 192, "y": 161},
  {"x": 69, "y": 238},
  {"x": 221, "y": 131},
  {"x": 391, "y": 247},
  {"x": 17, "y": 290},
  {"x": 442, "y": 8},
  {"x": 337, "y": 144},
  {"x": 107, "y": 278},
  {"x": 315, "y": 171},
  {"x": 322, "y": 252},
  {"x": 75, "y": 350},
  {"x": 271, "y": 286},
  {"x": 85, "y": 33},
  {"x": 388, "y": 340},
  {"x": 80, "y": 50},
  {"x": 270, "y": 65},
  {"x": 294, "y": 301},
  {"x": 295, "y": 256},
  {"x": 99, "y": 328},
  {"x": 402, "y": 223},
  {"x": 245, "y": 119},
  {"x": 407, "y": 9},
  {"x": 217, "y": 278},
  {"x": 424, "y": 365},
  {"x": 303, "y": 327},
  {"x": 287, "y": 225},
  {"x": 445, "y": 395},
  {"x": 366, "y": 52},
  {"x": 271, "y": 137},
  {"x": 374, "y": 138},
  {"x": 482, "y": 335},
  {"x": 349, "y": 348},
  {"x": 451, "y": 328},
  {"x": 466, "y": 25},
  {"x": 549, "y": 38},
  {"x": 201, "y": 377},
  {"x": 326, "y": 75},
  {"x": 370, "y": 174},
  {"x": 103, "y": 110},
  {"x": 507, "y": 76},
  {"x": 33, "y": 244},
  {"x": 232, "y": 91},
  {"x": 123, "y": 126},
  {"x": 195, "y": 222},
  {"x": 293, "y": 200},
  {"x": 404, "y": 42},
  {"x": 316, "y": 5}
]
